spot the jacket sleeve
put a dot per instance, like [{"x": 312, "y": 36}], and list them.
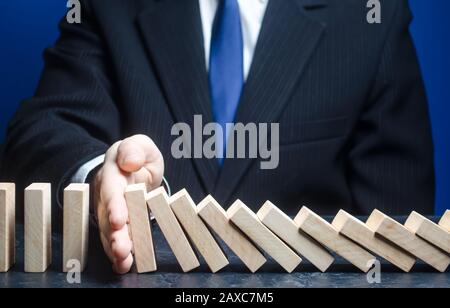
[
  {"x": 391, "y": 157},
  {"x": 72, "y": 117}
]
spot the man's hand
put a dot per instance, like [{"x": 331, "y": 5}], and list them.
[{"x": 131, "y": 161}]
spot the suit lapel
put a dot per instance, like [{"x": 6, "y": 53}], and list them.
[
  {"x": 287, "y": 40},
  {"x": 173, "y": 34}
]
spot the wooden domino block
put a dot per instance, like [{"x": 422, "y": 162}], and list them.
[
  {"x": 250, "y": 224},
  {"x": 7, "y": 226},
  {"x": 158, "y": 203},
  {"x": 216, "y": 218},
  {"x": 402, "y": 237},
  {"x": 445, "y": 221},
  {"x": 360, "y": 233},
  {"x": 140, "y": 228},
  {"x": 38, "y": 228},
  {"x": 75, "y": 225},
  {"x": 186, "y": 212},
  {"x": 327, "y": 235},
  {"x": 429, "y": 231},
  {"x": 285, "y": 228}
]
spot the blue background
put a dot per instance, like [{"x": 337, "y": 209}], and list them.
[{"x": 28, "y": 26}]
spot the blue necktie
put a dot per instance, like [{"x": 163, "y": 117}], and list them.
[{"x": 226, "y": 69}]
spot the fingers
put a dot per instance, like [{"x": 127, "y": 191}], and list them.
[
  {"x": 121, "y": 247},
  {"x": 121, "y": 244},
  {"x": 134, "y": 152},
  {"x": 112, "y": 188},
  {"x": 117, "y": 246},
  {"x": 104, "y": 237},
  {"x": 117, "y": 211},
  {"x": 123, "y": 267}
]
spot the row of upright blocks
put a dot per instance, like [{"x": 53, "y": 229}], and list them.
[
  {"x": 38, "y": 226},
  {"x": 190, "y": 228}
]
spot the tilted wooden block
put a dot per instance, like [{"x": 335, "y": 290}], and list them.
[
  {"x": 7, "y": 226},
  {"x": 216, "y": 218},
  {"x": 186, "y": 212},
  {"x": 38, "y": 228},
  {"x": 285, "y": 228},
  {"x": 327, "y": 235},
  {"x": 158, "y": 203},
  {"x": 75, "y": 225},
  {"x": 401, "y": 236},
  {"x": 250, "y": 224},
  {"x": 445, "y": 221},
  {"x": 429, "y": 231},
  {"x": 140, "y": 228},
  {"x": 360, "y": 233}
]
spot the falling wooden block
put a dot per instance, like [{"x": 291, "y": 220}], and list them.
[
  {"x": 140, "y": 228},
  {"x": 185, "y": 210},
  {"x": 327, "y": 235},
  {"x": 445, "y": 221},
  {"x": 158, "y": 203},
  {"x": 429, "y": 231},
  {"x": 216, "y": 218},
  {"x": 402, "y": 237},
  {"x": 250, "y": 224},
  {"x": 75, "y": 226},
  {"x": 38, "y": 228},
  {"x": 360, "y": 233},
  {"x": 285, "y": 228},
  {"x": 7, "y": 226}
]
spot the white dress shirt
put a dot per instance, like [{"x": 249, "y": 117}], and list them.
[{"x": 252, "y": 15}]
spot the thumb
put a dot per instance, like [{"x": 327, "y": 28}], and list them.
[{"x": 133, "y": 153}]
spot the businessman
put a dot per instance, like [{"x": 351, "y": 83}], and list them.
[{"x": 354, "y": 129}]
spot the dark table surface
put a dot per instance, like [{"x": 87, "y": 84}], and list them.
[{"x": 169, "y": 274}]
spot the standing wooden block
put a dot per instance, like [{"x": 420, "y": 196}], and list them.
[
  {"x": 285, "y": 228},
  {"x": 76, "y": 225},
  {"x": 429, "y": 231},
  {"x": 250, "y": 224},
  {"x": 360, "y": 233},
  {"x": 445, "y": 221},
  {"x": 140, "y": 228},
  {"x": 185, "y": 210},
  {"x": 327, "y": 235},
  {"x": 402, "y": 237},
  {"x": 7, "y": 226},
  {"x": 38, "y": 228},
  {"x": 216, "y": 218},
  {"x": 158, "y": 202}
]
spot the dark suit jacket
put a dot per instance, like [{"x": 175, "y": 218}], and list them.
[{"x": 354, "y": 124}]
